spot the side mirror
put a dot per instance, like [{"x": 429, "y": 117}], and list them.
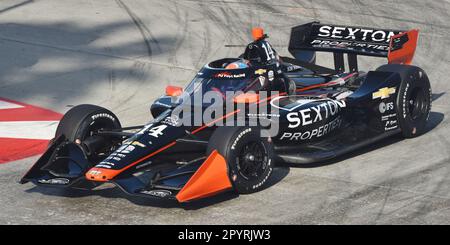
[{"x": 174, "y": 91}]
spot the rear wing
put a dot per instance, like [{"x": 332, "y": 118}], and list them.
[{"x": 398, "y": 46}]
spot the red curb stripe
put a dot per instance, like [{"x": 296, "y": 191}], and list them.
[
  {"x": 16, "y": 149},
  {"x": 27, "y": 113}
]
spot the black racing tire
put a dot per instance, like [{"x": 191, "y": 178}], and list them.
[
  {"x": 413, "y": 100},
  {"x": 80, "y": 121},
  {"x": 250, "y": 158}
]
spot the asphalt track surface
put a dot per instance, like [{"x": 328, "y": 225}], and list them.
[{"x": 121, "y": 54}]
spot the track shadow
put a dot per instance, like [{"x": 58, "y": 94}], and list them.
[
  {"x": 111, "y": 193},
  {"x": 434, "y": 120},
  {"x": 82, "y": 64}
]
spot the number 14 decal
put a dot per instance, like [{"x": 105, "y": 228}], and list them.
[
  {"x": 269, "y": 51},
  {"x": 157, "y": 131}
]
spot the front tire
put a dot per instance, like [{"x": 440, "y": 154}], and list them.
[
  {"x": 250, "y": 158},
  {"x": 81, "y": 123}
]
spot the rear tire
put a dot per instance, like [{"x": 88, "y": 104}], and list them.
[
  {"x": 413, "y": 101},
  {"x": 250, "y": 158}
]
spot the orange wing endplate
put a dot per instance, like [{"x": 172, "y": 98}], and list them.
[
  {"x": 210, "y": 178},
  {"x": 402, "y": 47}
]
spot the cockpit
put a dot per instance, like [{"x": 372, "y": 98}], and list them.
[{"x": 220, "y": 78}]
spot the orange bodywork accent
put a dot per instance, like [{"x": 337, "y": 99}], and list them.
[
  {"x": 209, "y": 179},
  {"x": 101, "y": 174},
  {"x": 257, "y": 33},
  {"x": 174, "y": 90},
  {"x": 404, "y": 55},
  {"x": 246, "y": 98}
]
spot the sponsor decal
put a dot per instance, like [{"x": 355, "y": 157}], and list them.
[
  {"x": 314, "y": 114},
  {"x": 107, "y": 165},
  {"x": 55, "y": 181},
  {"x": 404, "y": 100},
  {"x": 353, "y": 37},
  {"x": 292, "y": 68},
  {"x": 342, "y": 95},
  {"x": 95, "y": 172},
  {"x": 271, "y": 75},
  {"x": 384, "y": 107},
  {"x": 390, "y": 121},
  {"x": 126, "y": 149},
  {"x": 265, "y": 178},
  {"x": 119, "y": 154},
  {"x": 354, "y": 33},
  {"x": 162, "y": 104},
  {"x": 260, "y": 71},
  {"x": 262, "y": 115},
  {"x": 384, "y": 118},
  {"x": 315, "y": 133},
  {"x": 137, "y": 143},
  {"x": 156, "y": 193},
  {"x": 429, "y": 104},
  {"x": 390, "y": 125},
  {"x": 233, "y": 146},
  {"x": 172, "y": 120},
  {"x": 383, "y": 93},
  {"x": 346, "y": 44},
  {"x": 229, "y": 75},
  {"x": 114, "y": 156},
  {"x": 104, "y": 115}
]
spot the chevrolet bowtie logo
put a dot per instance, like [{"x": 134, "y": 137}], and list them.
[
  {"x": 260, "y": 71},
  {"x": 383, "y": 93}
]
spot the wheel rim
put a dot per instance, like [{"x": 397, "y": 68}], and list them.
[
  {"x": 417, "y": 104},
  {"x": 92, "y": 130},
  {"x": 252, "y": 160}
]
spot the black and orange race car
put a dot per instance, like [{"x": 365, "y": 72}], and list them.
[{"x": 312, "y": 114}]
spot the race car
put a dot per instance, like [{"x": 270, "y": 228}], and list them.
[{"x": 263, "y": 109}]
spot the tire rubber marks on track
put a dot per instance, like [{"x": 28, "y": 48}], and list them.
[{"x": 145, "y": 32}]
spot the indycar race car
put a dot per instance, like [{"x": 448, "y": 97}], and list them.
[{"x": 261, "y": 109}]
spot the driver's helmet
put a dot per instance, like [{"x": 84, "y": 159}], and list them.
[{"x": 237, "y": 65}]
